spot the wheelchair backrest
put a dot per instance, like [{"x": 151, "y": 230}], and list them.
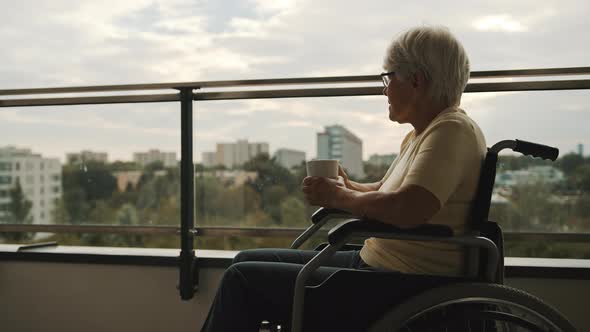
[{"x": 479, "y": 223}]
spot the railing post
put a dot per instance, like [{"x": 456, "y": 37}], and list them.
[{"x": 188, "y": 282}]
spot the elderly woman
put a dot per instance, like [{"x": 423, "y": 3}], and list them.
[{"x": 433, "y": 180}]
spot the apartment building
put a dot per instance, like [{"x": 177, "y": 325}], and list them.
[{"x": 40, "y": 179}]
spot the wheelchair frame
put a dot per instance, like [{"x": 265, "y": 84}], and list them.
[{"x": 489, "y": 268}]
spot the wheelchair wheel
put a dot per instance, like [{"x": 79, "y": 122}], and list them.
[{"x": 473, "y": 307}]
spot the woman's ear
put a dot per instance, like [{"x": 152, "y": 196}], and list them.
[{"x": 419, "y": 80}]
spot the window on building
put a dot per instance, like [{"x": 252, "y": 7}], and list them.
[
  {"x": 5, "y": 166},
  {"x": 17, "y": 166},
  {"x": 4, "y": 207},
  {"x": 5, "y": 179}
]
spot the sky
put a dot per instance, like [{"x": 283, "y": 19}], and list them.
[{"x": 82, "y": 43}]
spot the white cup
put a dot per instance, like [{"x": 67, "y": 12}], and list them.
[{"x": 327, "y": 168}]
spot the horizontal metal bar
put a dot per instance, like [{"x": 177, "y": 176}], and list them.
[
  {"x": 90, "y": 100},
  {"x": 376, "y": 91},
  {"x": 531, "y": 237},
  {"x": 250, "y": 232},
  {"x": 529, "y": 86},
  {"x": 195, "y": 85},
  {"x": 219, "y": 231},
  {"x": 110, "y": 229},
  {"x": 531, "y": 72},
  {"x": 281, "y": 81},
  {"x": 171, "y": 230},
  {"x": 290, "y": 93}
]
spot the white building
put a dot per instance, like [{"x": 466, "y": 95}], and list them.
[
  {"x": 339, "y": 143},
  {"x": 531, "y": 175},
  {"x": 289, "y": 158},
  {"x": 40, "y": 179},
  {"x": 86, "y": 156},
  {"x": 145, "y": 158},
  {"x": 235, "y": 154}
]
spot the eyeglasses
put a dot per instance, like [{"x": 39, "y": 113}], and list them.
[{"x": 386, "y": 79}]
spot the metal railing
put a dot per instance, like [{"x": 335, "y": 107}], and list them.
[
  {"x": 262, "y": 232},
  {"x": 187, "y": 92}
]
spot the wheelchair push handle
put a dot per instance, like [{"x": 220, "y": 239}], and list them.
[{"x": 536, "y": 150}]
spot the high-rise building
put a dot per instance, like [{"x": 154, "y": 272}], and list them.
[
  {"x": 153, "y": 155},
  {"x": 337, "y": 142},
  {"x": 40, "y": 180},
  {"x": 581, "y": 149},
  {"x": 86, "y": 156},
  {"x": 289, "y": 158},
  {"x": 236, "y": 154}
]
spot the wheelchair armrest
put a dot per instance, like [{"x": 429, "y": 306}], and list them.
[
  {"x": 365, "y": 227},
  {"x": 318, "y": 219},
  {"x": 325, "y": 213}
]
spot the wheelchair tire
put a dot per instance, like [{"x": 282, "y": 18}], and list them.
[{"x": 474, "y": 295}]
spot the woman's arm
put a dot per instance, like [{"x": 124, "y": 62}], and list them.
[
  {"x": 407, "y": 207},
  {"x": 356, "y": 186}
]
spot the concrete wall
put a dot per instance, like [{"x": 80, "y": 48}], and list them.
[{"x": 79, "y": 297}]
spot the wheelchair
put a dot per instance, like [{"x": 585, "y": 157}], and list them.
[{"x": 477, "y": 301}]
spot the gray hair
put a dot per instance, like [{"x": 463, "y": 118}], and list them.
[{"x": 435, "y": 52}]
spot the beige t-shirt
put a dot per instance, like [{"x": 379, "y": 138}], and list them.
[{"x": 446, "y": 160}]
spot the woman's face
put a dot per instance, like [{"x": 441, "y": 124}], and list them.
[{"x": 400, "y": 96}]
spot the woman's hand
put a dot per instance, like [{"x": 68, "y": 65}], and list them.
[
  {"x": 320, "y": 191},
  {"x": 345, "y": 179}
]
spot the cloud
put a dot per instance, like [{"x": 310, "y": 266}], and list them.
[
  {"x": 499, "y": 23},
  {"x": 295, "y": 123},
  {"x": 88, "y": 119}
]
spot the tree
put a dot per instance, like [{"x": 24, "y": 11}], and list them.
[
  {"x": 293, "y": 213},
  {"x": 76, "y": 205},
  {"x": 95, "y": 178},
  {"x": 270, "y": 173},
  {"x": 272, "y": 197},
  {"x": 374, "y": 173},
  {"x": 128, "y": 216},
  {"x": 569, "y": 163},
  {"x": 18, "y": 212},
  {"x": 124, "y": 166},
  {"x": 581, "y": 178},
  {"x": 59, "y": 214}
]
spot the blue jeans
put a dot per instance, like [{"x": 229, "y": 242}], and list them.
[{"x": 259, "y": 286}]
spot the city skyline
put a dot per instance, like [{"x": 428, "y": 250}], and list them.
[{"x": 575, "y": 150}]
